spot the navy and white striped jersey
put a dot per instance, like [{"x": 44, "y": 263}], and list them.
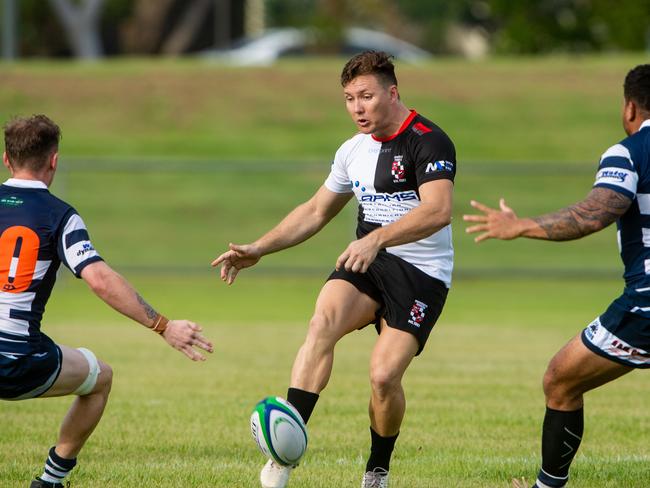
[
  {"x": 385, "y": 175},
  {"x": 37, "y": 233},
  {"x": 625, "y": 168}
]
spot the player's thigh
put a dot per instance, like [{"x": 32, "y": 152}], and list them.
[
  {"x": 74, "y": 371},
  {"x": 342, "y": 308},
  {"x": 577, "y": 369},
  {"x": 392, "y": 354}
]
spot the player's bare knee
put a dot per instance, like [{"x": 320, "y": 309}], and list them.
[
  {"x": 105, "y": 378},
  {"x": 321, "y": 332},
  {"x": 383, "y": 381},
  {"x": 559, "y": 390}
]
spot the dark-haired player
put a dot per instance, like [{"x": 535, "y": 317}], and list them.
[
  {"x": 38, "y": 232},
  {"x": 617, "y": 341},
  {"x": 400, "y": 167}
]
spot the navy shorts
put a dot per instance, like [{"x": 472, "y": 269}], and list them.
[
  {"x": 622, "y": 333},
  {"x": 410, "y": 300},
  {"x": 32, "y": 374}
]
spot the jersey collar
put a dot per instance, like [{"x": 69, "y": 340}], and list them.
[
  {"x": 403, "y": 127},
  {"x": 646, "y": 123},
  {"x": 20, "y": 183}
]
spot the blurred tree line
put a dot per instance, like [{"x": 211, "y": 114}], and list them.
[
  {"x": 469, "y": 27},
  {"x": 142, "y": 27},
  {"x": 505, "y": 26}
]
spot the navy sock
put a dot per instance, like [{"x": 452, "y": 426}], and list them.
[
  {"x": 303, "y": 401},
  {"x": 561, "y": 436},
  {"x": 381, "y": 449},
  {"x": 56, "y": 467}
]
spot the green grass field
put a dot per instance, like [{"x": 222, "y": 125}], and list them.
[{"x": 214, "y": 155}]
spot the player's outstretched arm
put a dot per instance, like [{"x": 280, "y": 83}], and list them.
[
  {"x": 299, "y": 225},
  {"x": 601, "y": 208},
  {"x": 113, "y": 289}
]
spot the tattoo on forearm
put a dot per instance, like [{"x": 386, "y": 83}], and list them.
[
  {"x": 151, "y": 313},
  {"x": 601, "y": 207}
]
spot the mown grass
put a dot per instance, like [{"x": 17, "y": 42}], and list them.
[{"x": 474, "y": 396}]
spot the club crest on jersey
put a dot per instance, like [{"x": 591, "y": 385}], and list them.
[
  {"x": 417, "y": 313},
  {"x": 397, "y": 170}
]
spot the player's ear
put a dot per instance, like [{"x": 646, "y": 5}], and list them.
[
  {"x": 5, "y": 161},
  {"x": 630, "y": 111},
  {"x": 394, "y": 93},
  {"x": 54, "y": 161}
]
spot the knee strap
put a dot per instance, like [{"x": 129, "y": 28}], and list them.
[{"x": 93, "y": 372}]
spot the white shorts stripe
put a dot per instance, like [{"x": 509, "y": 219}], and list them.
[{"x": 613, "y": 346}]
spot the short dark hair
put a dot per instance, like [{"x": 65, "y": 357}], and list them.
[
  {"x": 30, "y": 141},
  {"x": 376, "y": 63},
  {"x": 637, "y": 86}
]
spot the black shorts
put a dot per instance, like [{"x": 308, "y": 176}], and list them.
[
  {"x": 410, "y": 300},
  {"x": 30, "y": 375}
]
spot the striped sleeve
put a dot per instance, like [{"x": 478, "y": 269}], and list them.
[
  {"x": 617, "y": 172},
  {"x": 74, "y": 247}
]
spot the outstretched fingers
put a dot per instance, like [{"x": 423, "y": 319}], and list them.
[
  {"x": 503, "y": 206},
  {"x": 479, "y": 206}
]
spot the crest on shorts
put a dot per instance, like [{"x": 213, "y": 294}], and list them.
[
  {"x": 417, "y": 313},
  {"x": 397, "y": 170}
]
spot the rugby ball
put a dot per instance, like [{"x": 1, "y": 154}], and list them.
[{"x": 279, "y": 431}]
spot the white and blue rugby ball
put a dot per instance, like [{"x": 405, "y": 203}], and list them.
[{"x": 279, "y": 431}]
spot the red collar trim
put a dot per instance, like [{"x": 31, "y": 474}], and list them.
[{"x": 403, "y": 127}]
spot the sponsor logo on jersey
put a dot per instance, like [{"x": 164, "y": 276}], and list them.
[
  {"x": 417, "y": 313},
  {"x": 11, "y": 201},
  {"x": 401, "y": 196},
  {"x": 87, "y": 247},
  {"x": 397, "y": 170},
  {"x": 613, "y": 174},
  {"x": 439, "y": 166},
  {"x": 420, "y": 128},
  {"x": 379, "y": 150}
]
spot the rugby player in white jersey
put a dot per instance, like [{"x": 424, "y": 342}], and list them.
[
  {"x": 618, "y": 341},
  {"x": 400, "y": 167},
  {"x": 38, "y": 232}
]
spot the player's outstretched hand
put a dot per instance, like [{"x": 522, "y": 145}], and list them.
[
  {"x": 519, "y": 483},
  {"x": 492, "y": 223},
  {"x": 236, "y": 258},
  {"x": 184, "y": 335}
]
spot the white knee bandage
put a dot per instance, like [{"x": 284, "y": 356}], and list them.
[{"x": 93, "y": 372}]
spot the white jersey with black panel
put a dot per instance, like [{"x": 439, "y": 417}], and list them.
[{"x": 385, "y": 174}]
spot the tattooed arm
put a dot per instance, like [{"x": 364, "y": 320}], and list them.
[
  {"x": 113, "y": 289},
  {"x": 601, "y": 208}
]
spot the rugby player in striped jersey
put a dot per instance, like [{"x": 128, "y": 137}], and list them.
[
  {"x": 38, "y": 232},
  {"x": 617, "y": 341}
]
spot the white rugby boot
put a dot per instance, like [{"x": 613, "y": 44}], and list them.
[
  {"x": 274, "y": 475},
  {"x": 377, "y": 478}
]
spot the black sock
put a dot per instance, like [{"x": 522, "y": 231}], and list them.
[
  {"x": 561, "y": 436},
  {"x": 303, "y": 401},
  {"x": 380, "y": 451}
]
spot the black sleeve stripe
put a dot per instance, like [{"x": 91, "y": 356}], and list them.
[{"x": 76, "y": 236}]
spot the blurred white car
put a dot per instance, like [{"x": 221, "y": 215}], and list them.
[{"x": 274, "y": 43}]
